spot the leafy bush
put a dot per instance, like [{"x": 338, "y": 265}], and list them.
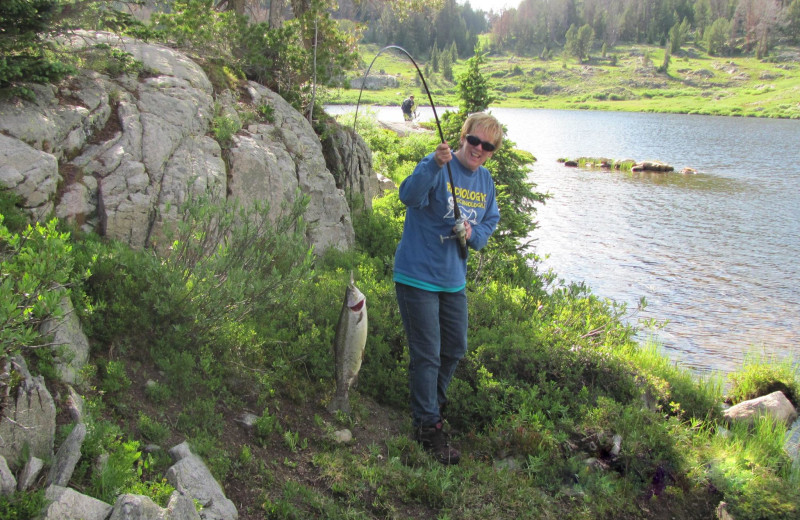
[
  {"x": 762, "y": 375},
  {"x": 22, "y": 505},
  {"x": 35, "y": 271},
  {"x": 114, "y": 377},
  {"x": 151, "y": 429},
  {"x": 14, "y": 218},
  {"x": 26, "y": 49}
]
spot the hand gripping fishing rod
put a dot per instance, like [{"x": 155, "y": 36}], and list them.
[{"x": 460, "y": 228}]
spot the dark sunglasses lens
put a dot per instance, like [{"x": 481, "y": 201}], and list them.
[{"x": 474, "y": 141}]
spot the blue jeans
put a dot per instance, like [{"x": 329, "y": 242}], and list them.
[{"x": 436, "y": 329}]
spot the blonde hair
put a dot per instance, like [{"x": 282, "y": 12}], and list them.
[{"x": 485, "y": 122}]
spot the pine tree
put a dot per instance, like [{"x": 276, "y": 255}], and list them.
[
  {"x": 435, "y": 57},
  {"x": 505, "y": 254},
  {"x": 25, "y": 30},
  {"x": 447, "y": 66}
]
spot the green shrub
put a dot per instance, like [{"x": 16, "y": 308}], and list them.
[
  {"x": 159, "y": 393},
  {"x": 35, "y": 271},
  {"x": 200, "y": 417},
  {"x": 114, "y": 377},
  {"x": 265, "y": 426},
  {"x": 13, "y": 216},
  {"x": 224, "y": 128},
  {"x": 120, "y": 471},
  {"x": 761, "y": 375},
  {"x": 22, "y": 505},
  {"x": 151, "y": 429}
]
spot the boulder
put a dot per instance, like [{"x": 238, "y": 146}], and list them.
[
  {"x": 190, "y": 476},
  {"x": 350, "y": 161},
  {"x": 30, "y": 473},
  {"x": 374, "y": 82},
  {"x": 68, "y": 504},
  {"x": 119, "y": 156},
  {"x": 774, "y": 405},
  {"x": 8, "y": 484},
  {"x": 67, "y": 457},
  {"x": 71, "y": 344},
  {"x": 30, "y": 173},
  {"x": 29, "y": 419},
  {"x": 135, "y": 507}
]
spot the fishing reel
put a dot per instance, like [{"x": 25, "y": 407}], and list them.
[{"x": 460, "y": 233}]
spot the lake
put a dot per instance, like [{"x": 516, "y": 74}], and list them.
[{"x": 715, "y": 254}]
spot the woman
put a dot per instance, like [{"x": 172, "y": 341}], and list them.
[{"x": 430, "y": 272}]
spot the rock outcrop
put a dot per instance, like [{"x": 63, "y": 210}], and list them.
[{"x": 118, "y": 156}]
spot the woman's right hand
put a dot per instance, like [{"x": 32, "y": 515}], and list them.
[{"x": 443, "y": 155}]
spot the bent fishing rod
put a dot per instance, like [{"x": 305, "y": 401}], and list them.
[{"x": 459, "y": 227}]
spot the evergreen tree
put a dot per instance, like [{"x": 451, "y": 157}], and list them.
[
  {"x": 435, "y": 57},
  {"x": 702, "y": 15},
  {"x": 677, "y": 36},
  {"x": 473, "y": 88},
  {"x": 506, "y": 254},
  {"x": 716, "y": 36},
  {"x": 585, "y": 42},
  {"x": 454, "y": 52},
  {"x": 447, "y": 66},
  {"x": 571, "y": 42},
  {"x": 26, "y": 47},
  {"x": 665, "y": 64},
  {"x": 792, "y": 21}
]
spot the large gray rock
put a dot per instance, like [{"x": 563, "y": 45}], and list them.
[
  {"x": 181, "y": 507},
  {"x": 8, "y": 484},
  {"x": 774, "y": 405},
  {"x": 29, "y": 419},
  {"x": 350, "y": 161},
  {"x": 139, "y": 507},
  {"x": 71, "y": 344},
  {"x": 120, "y": 155},
  {"x": 29, "y": 473},
  {"x": 293, "y": 158},
  {"x": 68, "y": 504},
  {"x": 136, "y": 507},
  {"x": 68, "y": 455},
  {"x": 30, "y": 173},
  {"x": 374, "y": 82},
  {"x": 190, "y": 476}
]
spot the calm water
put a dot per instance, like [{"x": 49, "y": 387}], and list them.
[{"x": 716, "y": 253}]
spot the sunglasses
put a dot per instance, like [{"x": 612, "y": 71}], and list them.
[{"x": 475, "y": 141}]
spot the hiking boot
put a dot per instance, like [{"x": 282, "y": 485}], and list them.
[{"x": 434, "y": 441}]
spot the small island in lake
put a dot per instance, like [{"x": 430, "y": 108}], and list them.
[{"x": 630, "y": 165}]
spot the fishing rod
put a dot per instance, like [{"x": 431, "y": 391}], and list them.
[{"x": 460, "y": 228}]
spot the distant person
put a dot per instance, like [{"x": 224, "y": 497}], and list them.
[{"x": 408, "y": 108}]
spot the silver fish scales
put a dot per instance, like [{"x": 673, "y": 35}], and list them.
[{"x": 348, "y": 345}]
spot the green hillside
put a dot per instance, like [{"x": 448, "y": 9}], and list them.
[{"x": 626, "y": 79}]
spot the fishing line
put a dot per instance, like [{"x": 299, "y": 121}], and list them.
[{"x": 456, "y": 210}]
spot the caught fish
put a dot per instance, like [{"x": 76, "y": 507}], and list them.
[{"x": 348, "y": 345}]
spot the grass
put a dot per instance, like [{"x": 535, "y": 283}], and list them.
[{"x": 695, "y": 83}]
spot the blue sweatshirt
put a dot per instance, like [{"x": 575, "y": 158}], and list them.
[{"x": 422, "y": 259}]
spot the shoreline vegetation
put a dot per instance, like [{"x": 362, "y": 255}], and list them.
[{"x": 626, "y": 79}]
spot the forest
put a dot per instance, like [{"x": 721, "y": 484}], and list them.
[{"x": 539, "y": 26}]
